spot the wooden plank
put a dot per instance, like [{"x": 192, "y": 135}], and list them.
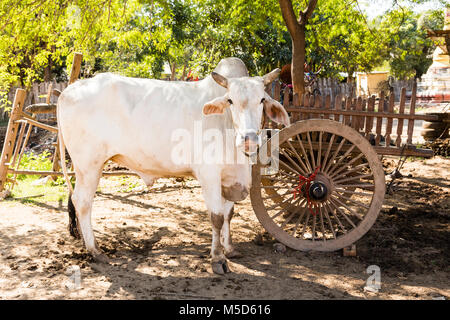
[
  {"x": 76, "y": 67},
  {"x": 362, "y": 120},
  {"x": 410, "y": 152},
  {"x": 389, "y": 120},
  {"x": 11, "y": 135},
  {"x": 318, "y": 104},
  {"x": 327, "y": 106},
  {"x": 379, "y": 119},
  {"x": 348, "y": 107},
  {"x": 401, "y": 110},
  {"x": 337, "y": 107},
  {"x": 426, "y": 117},
  {"x": 38, "y": 124},
  {"x": 53, "y": 173},
  {"x": 305, "y": 115},
  {"x": 295, "y": 103},
  {"x": 300, "y": 104},
  {"x": 356, "y": 119},
  {"x": 412, "y": 110},
  {"x": 369, "y": 119},
  {"x": 311, "y": 104},
  {"x": 49, "y": 93},
  {"x": 19, "y": 143}
]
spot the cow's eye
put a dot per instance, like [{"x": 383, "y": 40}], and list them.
[
  {"x": 230, "y": 101},
  {"x": 263, "y": 99}
]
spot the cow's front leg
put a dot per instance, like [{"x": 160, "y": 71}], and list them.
[
  {"x": 211, "y": 188},
  {"x": 230, "y": 251}
]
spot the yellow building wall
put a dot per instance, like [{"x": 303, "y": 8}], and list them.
[{"x": 367, "y": 83}]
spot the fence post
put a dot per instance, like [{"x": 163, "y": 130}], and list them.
[
  {"x": 74, "y": 73},
  {"x": 11, "y": 135}
]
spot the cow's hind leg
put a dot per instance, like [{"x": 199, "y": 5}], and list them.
[
  {"x": 83, "y": 195},
  {"x": 230, "y": 251}
]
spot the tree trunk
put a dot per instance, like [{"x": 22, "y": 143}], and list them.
[
  {"x": 296, "y": 29},
  {"x": 298, "y": 63},
  {"x": 173, "y": 69}
]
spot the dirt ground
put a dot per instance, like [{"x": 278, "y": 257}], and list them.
[{"x": 158, "y": 243}]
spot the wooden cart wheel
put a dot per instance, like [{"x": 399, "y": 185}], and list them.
[{"x": 328, "y": 190}]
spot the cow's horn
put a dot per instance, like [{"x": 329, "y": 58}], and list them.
[
  {"x": 220, "y": 79},
  {"x": 271, "y": 76}
]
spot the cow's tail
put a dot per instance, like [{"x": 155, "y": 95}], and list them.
[{"x": 70, "y": 207}]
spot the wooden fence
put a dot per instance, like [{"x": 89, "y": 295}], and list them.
[
  {"x": 36, "y": 94},
  {"x": 381, "y": 122}
]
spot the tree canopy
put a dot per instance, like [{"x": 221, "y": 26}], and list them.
[{"x": 139, "y": 37}]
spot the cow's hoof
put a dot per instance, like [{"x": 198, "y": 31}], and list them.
[
  {"x": 220, "y": 267},
  {"x": 233, "y": 254},
  {"x": 100, "y": 257},
  {"x": 73, "y": 230}
]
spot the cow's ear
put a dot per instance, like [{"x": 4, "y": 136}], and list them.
[
  {"x": 216, "y": 106},
  {"x": 275, "y": 111}
]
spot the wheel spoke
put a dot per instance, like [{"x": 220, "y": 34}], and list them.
[
  {"x": 288, "y": 174},
  {"x": 279, "y": 204},
  {"x": 348, "y": 164},
  {"x": 322, "y": 224},
  {"x": 306, "y": 223},
  {"x": 286, "y": 180},
  {"x": 289, "y": 218},
  {"x": 328, "y": 151},
  {"x": 355, "y": 169},
  {"x": 311, "y": 150},
  {"x": 334, "y": 155},
  {"x": 276, "y": 195},
  {"x": 276, "y": 187},
  {"x": 297, "y": 155},
  {"x": 314, "y": 227},
  {"x": 336, "y": 217},
  {"x": 343, "y": 213},
  {"x": 353, "y": 213},
  {"x": 361, "y": 186},
  {"x": 353, "y": 178},
  {"x": 329, "y": 221},
  {"x": 293, "y": 162},
  {"x": 319, "y": 152},
  {"x": 304, "y": 153},
  {"x": 284, "y": 209},
  {"x": 362, "y": 205},
  {"x": 287, "y": 166},
  {"x": 354, "y": 192},
  {"x": 341, "y": 159},
  {"x": 300, "y": 218}
]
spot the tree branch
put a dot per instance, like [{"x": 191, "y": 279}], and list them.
[
  {"x": 289, "y": 16},
  {"x": 305, "y": 15}
]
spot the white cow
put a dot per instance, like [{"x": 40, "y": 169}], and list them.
[{"x": 132, "y": 121}]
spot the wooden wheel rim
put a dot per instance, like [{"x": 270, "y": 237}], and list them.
[{"x": 355, "y": 138}]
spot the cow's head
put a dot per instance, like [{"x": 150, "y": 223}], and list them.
[{"x": 247, "y": 100}]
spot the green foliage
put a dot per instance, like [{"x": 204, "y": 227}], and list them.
[
  {"x": 35, "y": 162},
  {"x": 340, "y": 40},
  {"x": 409, "y": 50},
  {"x": 138, "y": 37}
]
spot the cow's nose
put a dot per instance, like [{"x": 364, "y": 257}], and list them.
[{"x": 251, "y": 142}]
